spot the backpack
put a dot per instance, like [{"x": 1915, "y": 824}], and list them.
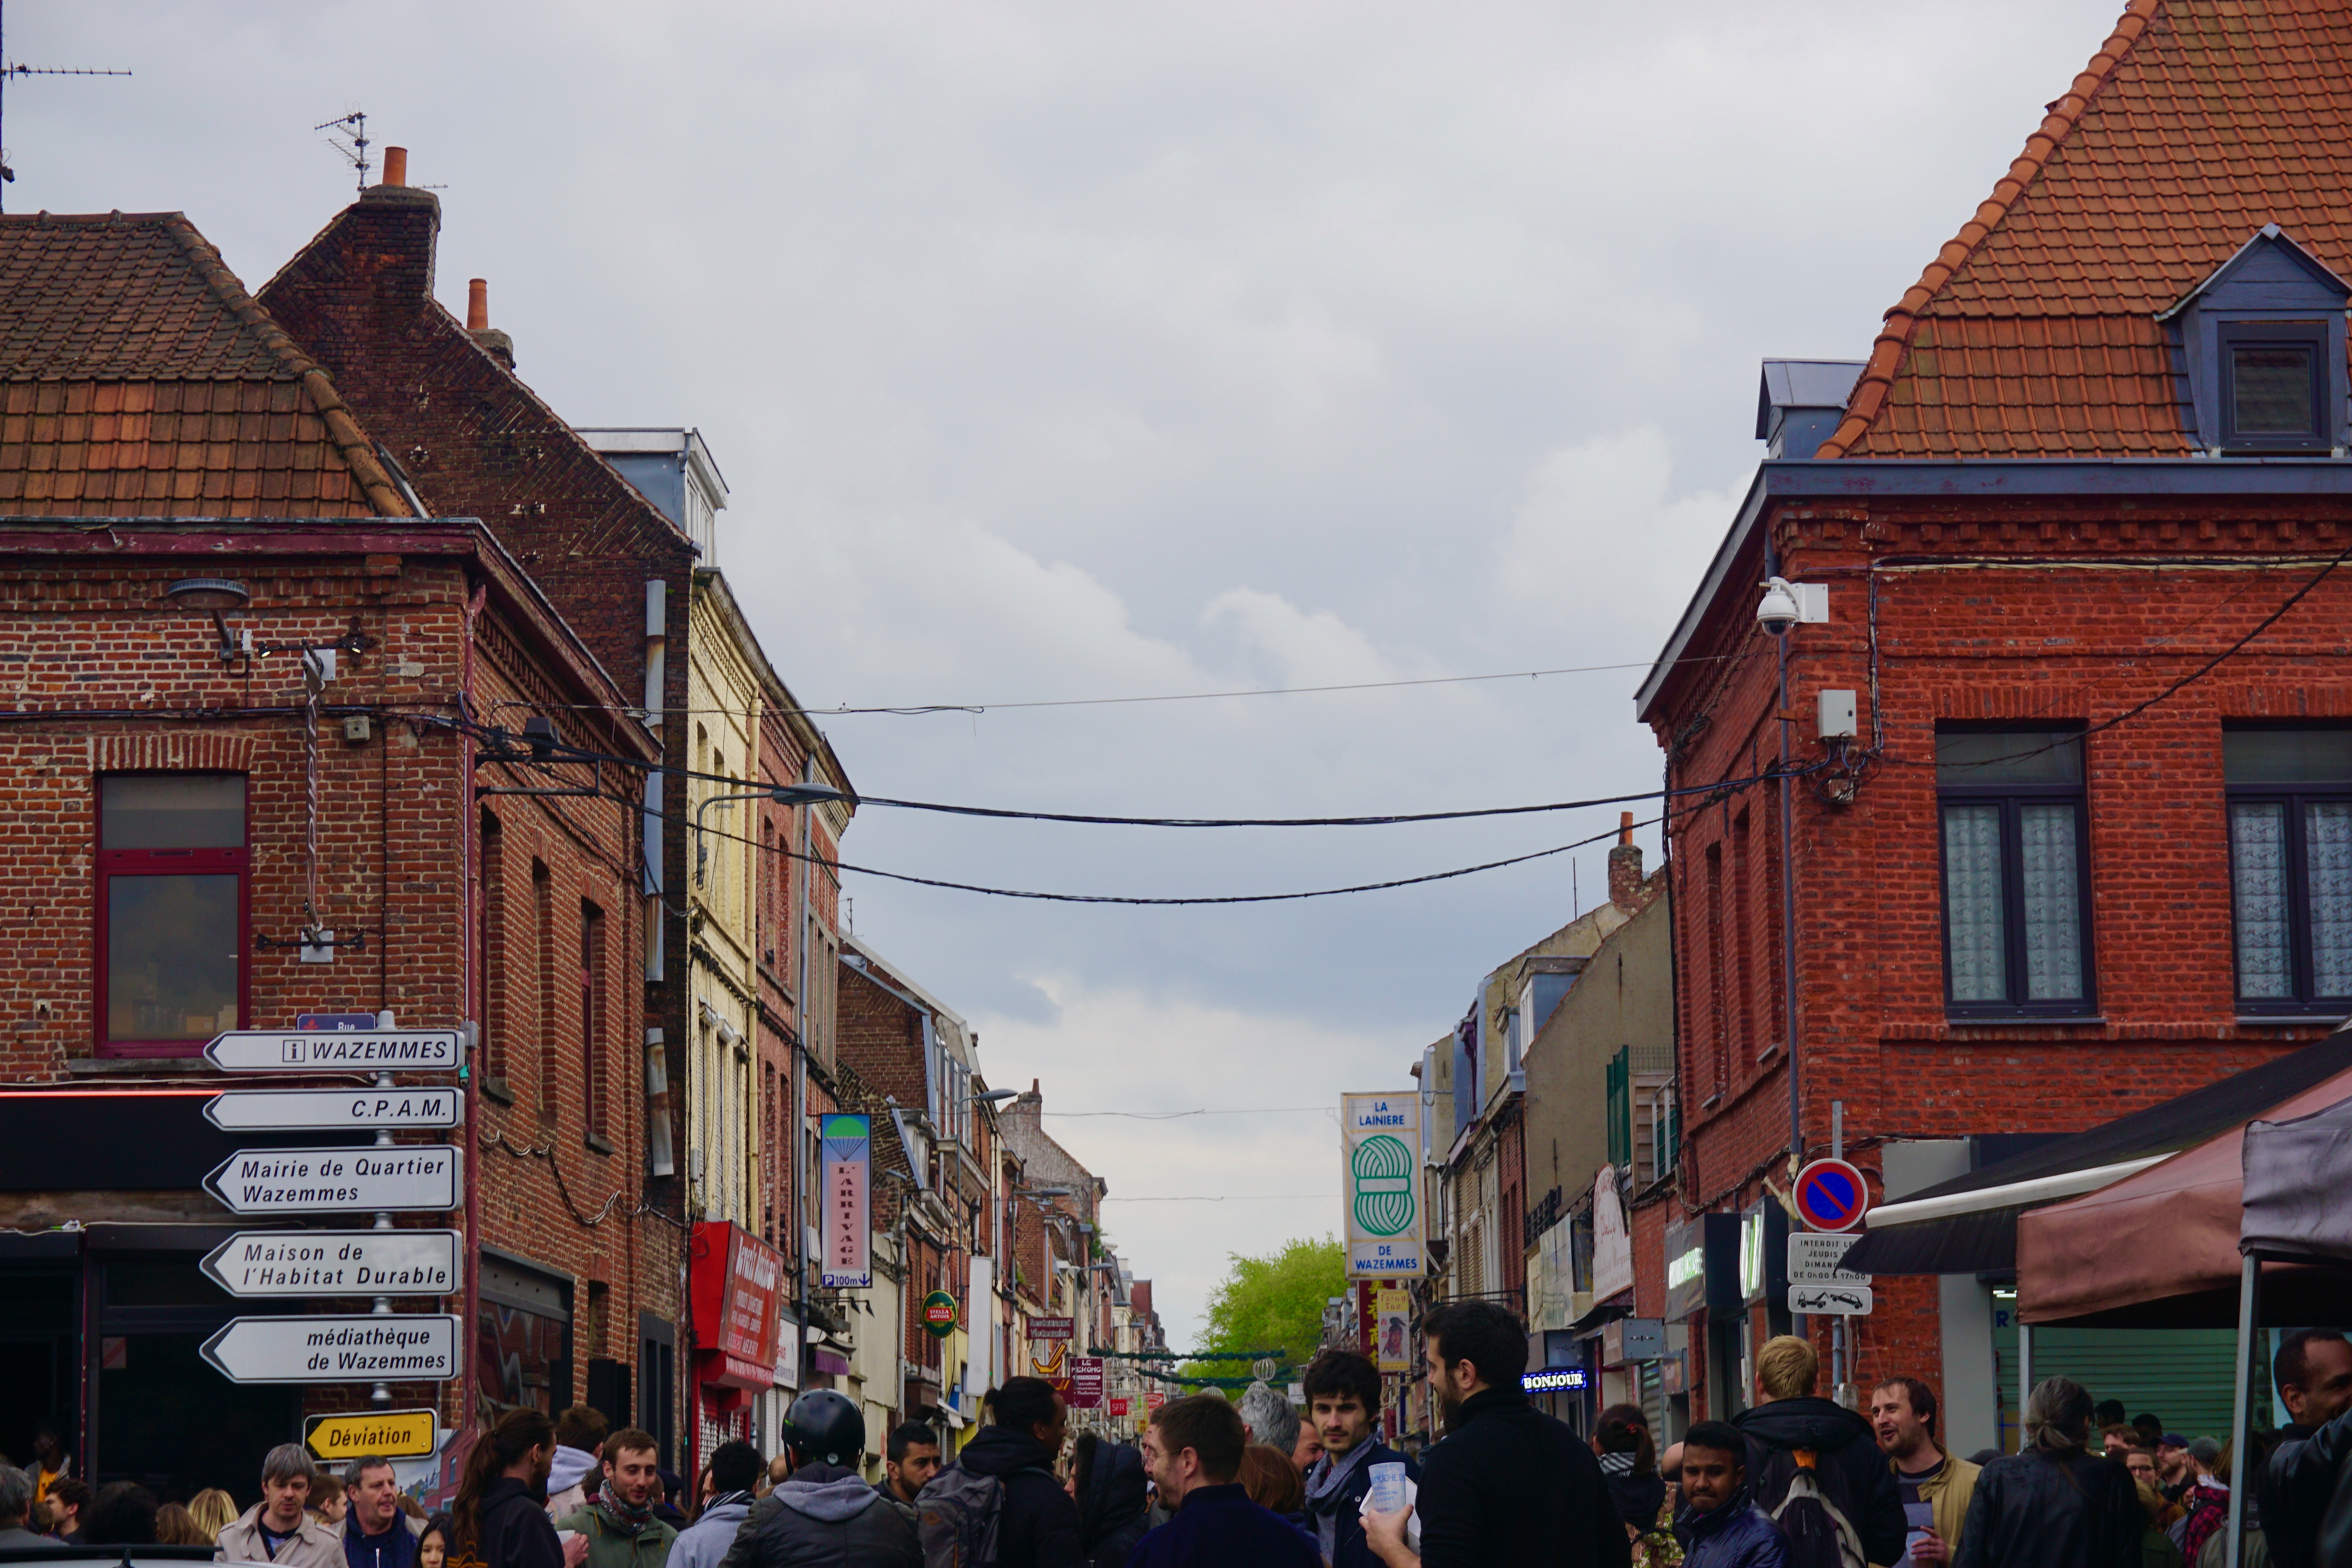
[
  {"x": 956, "y": 1516},
  {"x": 1811, "y": 1517}
]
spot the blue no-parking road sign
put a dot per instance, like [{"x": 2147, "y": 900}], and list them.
[{"x": 1831, "y": 1195}]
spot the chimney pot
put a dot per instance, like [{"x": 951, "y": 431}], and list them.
[
  {"x": 1624, "y": 827},
  {"x": 395, "y": 165},
  {"x": 477, "y": 317}
]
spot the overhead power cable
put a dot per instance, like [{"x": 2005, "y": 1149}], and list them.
[{"x": 1179, "y": 1115}]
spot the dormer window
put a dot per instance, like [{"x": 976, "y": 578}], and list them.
[
  {"x": 2273, "y": 386},
  {"x": 2262, "y": 343}
]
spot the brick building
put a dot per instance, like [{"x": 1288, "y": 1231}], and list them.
[
  {"x": 304, "y": 804},
  {"x": 627, "y": 558},
  {"x": 2076, "y": 536}
]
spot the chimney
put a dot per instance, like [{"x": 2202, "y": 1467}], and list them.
[
  {"x": 396, "y": 166},
  {"x": 499, "y": 347},
  {"x": 1625, "y": 867}
]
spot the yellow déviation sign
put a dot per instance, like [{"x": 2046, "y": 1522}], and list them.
[{"x": 392, "y": 1434}]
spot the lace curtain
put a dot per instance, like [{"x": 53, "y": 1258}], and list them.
[
  {"x": 1972, "y": 903},
  {"x": 2053, "y": 903},
  {"x": 2258, "y": 891}
]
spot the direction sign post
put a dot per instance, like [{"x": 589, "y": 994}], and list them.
[
  {"x": 336, "y": 1051},
  {"x": 386, "y": 1434},
  {"x": 411, "y": 1347},
  {"x": 284, "y": 1263},
  {"x": 314, "y": 1181},
  {"x": 321, "y": 1110}
]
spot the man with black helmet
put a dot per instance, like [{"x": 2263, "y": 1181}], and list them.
[{"x": 822, "y": 1511}]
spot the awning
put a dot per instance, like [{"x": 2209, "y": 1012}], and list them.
[
  {"x": 2160, "y": 1250},
  {"x": 2297, "y": 1173},
  {"x": 1969, "y": 1225}
]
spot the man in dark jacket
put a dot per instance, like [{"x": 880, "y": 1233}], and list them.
[
  {"x": 2313, "y": 1371},
  {"x": 1507, "y": 1485},
  {"x": 2055, "y": 1505},
  {"x": 1718, "y": 1523},
  {"x": 1192, "y": 1451},
  {"x": 824, "y": 1514},
  {"x": 1038, "y": 1526},
  {"x": 1848, "y": 1466},
  {"x": 1343, "y": 1405},
  {"x": 1113, "y": 1511},
  {"x": 501, "y": 1507}
]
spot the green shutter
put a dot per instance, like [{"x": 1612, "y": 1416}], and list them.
[
  {"x": 1621, "y": 1107},
  {"x": 2184, "y": 1375}
]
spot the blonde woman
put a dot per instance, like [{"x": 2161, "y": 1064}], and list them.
[{"x": 212, "y": 1509}]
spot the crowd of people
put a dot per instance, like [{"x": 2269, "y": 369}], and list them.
[{"x": 1794, "y": 1481}]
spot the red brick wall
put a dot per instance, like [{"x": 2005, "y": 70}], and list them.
[
  {"x": 2034, "y": 638},
  {"x": 91, "y": 634}
]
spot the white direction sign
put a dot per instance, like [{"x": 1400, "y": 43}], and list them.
[
  {"x": 336, "y": 1051},
  {"x": 1835, "y": 1301},
  {"x": 1814, "y": 1258},
  {"x": 305, "y": 1109},
  {"x": 310, "y": 1181},
  {"x": 336, "y": 1263},
  {"x": 411, "y": 1346}
]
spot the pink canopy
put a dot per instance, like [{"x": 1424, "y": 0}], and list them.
[{"x": 2159, "y": 1248}]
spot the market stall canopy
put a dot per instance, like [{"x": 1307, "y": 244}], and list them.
[
  {"x": 2296, "y": 1175},
  {"x": 2159, "y": 1250},
  {"x": 1969, "y": 1225}
]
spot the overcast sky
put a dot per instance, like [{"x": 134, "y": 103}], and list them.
[{"x": 1084, "y": 352}]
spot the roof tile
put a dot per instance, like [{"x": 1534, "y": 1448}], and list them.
[{"x": 2195, "y": 123}]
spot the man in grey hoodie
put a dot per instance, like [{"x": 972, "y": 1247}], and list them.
[
  {"x": 824, "y": 1513},
  {"x": 735, "y": 1470}
]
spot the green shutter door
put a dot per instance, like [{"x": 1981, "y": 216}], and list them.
[{"x": 2182, "y": 1375}]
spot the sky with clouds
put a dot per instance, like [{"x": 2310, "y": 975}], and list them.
[{"x": 1060, "y": 352}]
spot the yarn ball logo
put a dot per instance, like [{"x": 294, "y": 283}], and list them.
[{"x": 1384, "y": 1172}]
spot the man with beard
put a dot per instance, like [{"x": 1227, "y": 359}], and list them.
[
  {"x": 1343, "y": 1405},
  {"x": 1508, "y": 1484},
  {"x": 1935, "y": 1485},
  {"x": 618, "y": 1522}
]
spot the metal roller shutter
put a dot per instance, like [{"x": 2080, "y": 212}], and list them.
[{"x": 2182, "y": 1375}]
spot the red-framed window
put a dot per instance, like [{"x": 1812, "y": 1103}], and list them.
[{"x": 174, "y": 911}]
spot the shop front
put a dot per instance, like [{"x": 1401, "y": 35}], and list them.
[
  {"x": 735, "y": 1283},
  {"x": 1704, "y": 1298}
]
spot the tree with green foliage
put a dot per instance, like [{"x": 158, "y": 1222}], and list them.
[{"x": 1272, "y": 1303}]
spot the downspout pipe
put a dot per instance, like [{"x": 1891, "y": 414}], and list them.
[
  {"x": 1788, "y": 896},
  {"x": 468, "y": 898}
]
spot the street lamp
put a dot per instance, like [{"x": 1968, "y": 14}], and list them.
[
  {"x": 213, "y": 595},
  {"x": 994, "y": 1096},
  {"x": 782, "y": 795}
]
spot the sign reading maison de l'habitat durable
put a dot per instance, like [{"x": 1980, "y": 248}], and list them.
[
  {"x": 336, "y": 1263},
  {"x": 321, "y": 1110},
  {"x": 1385, "y": 1225},
  {"x": 314, "y": 1181},
  {"x": 336, "y": 1051}
]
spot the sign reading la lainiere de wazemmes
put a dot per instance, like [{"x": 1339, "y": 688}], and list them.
[{"x": 1386, "y": 1226}]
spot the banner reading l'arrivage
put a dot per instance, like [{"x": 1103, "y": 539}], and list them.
[
  {"x": 848, "y": 1159},
  {"x": 1386, "y": 1228}
]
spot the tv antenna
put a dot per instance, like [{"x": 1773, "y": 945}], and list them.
[
  {"x": 9, "y": 69},
  {"x": 348, "y": 136}
]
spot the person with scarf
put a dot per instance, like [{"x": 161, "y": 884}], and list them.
[
  {"x": 735, "y": 1470},
  {"x": 1343, "y": 1404},
  {"x": 618, "y": 1522}
]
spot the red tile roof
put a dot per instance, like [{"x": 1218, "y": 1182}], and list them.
[
  {"x": 2033, "y": 331},
  {"x": 139, "y": 379}
]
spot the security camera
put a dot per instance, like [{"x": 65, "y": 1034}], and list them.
[{"x": 1777, "y": 612}]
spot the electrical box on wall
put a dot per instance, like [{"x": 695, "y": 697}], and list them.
[{"x": 1837, "y": 715}]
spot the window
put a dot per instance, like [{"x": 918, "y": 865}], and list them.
[
  {"x": 490, "y": 965},
  {"x": 2274, "y": 386},
  {"x": 1743, "y": 945},
  {"x": 2016, "y": 880},
  {"x": 2291, "y": 867},
  {"x": 171, "y": 911},
  {"x": 543, "y": 937},
  {"x": 1718, "y": 981},
  {"x": 592, "y": 1019}
]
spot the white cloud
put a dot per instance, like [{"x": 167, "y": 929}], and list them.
[{"x": 1056, "y": 352}]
